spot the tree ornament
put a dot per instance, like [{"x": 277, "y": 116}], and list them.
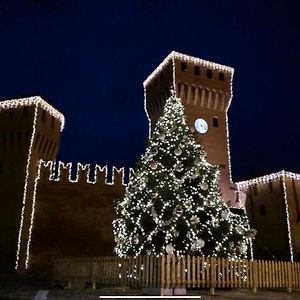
[
  {"x": 153, "y": 212},
  {"x": 178, "y": 210},
  {"x": 200, "y": 243},
  {"x": 155, "y": 194},
  {"x": 252, "y": 233},
  {"x": 154, "y": 151},
  {"x": 188, "y": 205},
  {"x": 179, "y": 168},
  {"x": 192, "y": 129},
  {"x": 243, "y": 249},
  {"x": 194, "y": 220},
  {"x": 176, "y": 233},
  {"x": 178, "y": 151},
  {"x": 197, "y": 160},
  {"x": 162, "y": 136},
  {"x": 136, "y": 240},
  {"x": 170, "y": 249},
  {"x": 153, "y": 165},
  {"x": 224, "y": 215},
  {"x": 204, "y": 186}
]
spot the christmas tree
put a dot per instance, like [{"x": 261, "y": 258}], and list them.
[{"x": 172, "y": 203}]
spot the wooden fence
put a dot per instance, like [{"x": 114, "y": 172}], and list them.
[{"x": 177, "y": 272}]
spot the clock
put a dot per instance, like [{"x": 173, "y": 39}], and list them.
[{"x": 201, "y": 125}]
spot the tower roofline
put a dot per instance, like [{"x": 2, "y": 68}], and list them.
[
  {"x": 268, "y": 178},
  {"x": 34, "y": 101},
  {"x": 187, "y": 58}
]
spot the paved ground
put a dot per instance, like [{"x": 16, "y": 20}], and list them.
[{"x": 21, "y": 288}]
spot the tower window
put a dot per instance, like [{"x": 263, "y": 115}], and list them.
[
  {"x": 25, "y": 111},
  {"x": 221, "y": 76},
  {"x": 255, "y": 189},
  {"x": 52, "y": 122},
  {"x": 209, "y": 73},
  {"x": 43, "y": 116},
  {"x": 1, "y": 166},
  {"x": 271, "y": 186},
  {"x": 215, "y": 122},
  {"x": 262, "y": 210},
  {"x": 11, "y": 113},
  {"x": 196, "y": 70},
  {"x": 184, "y": 67}
]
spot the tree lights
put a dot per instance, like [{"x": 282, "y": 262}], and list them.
[{"x": 172, "y": 202}]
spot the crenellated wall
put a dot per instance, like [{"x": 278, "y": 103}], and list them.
[{"x": 73, "y": 216}]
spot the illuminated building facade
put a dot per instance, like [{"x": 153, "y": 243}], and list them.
[{"x": 46, "y": 213}]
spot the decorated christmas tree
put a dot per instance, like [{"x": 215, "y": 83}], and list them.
[{"x": 172, "y": 203}]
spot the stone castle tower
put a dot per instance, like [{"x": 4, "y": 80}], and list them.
[
  {"x": 205, "y": 90},
  {"x": 29, "y": 131}
]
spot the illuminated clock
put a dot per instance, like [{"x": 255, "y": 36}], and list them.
[{"x": 201, "y": 125}]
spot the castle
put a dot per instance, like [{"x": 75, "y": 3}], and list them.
[{"x": 46, "y": 213}]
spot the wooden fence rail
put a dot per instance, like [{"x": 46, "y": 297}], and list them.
[{"x": 177, "y": 272}]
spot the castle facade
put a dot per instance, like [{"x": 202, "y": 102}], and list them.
[{"x": 46, "y": 213}]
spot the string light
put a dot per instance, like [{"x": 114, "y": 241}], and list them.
[
  {"x": 189, "y": 204},
  {"x": 267, "y": 178},
  {"x": 176, "y": 55},
  {"x": 34, "y": 101},
  {"x": 26, "y": 186}
]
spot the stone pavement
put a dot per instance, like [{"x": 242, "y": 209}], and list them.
[{"x": 16, "y": 287}]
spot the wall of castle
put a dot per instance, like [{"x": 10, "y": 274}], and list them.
[
  {"x": 293, "y": 196},
  {"x": 73, "y": 216}
]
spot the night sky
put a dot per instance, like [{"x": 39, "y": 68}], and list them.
[{"x": 89, "y": 60}]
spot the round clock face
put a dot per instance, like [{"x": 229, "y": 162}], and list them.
[{"x": 201, "y": 125}]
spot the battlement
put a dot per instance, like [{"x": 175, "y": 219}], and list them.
[{"x": 65, "y": 172}]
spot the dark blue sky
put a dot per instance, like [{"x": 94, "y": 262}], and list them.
[{"x": 89, "y": 59}]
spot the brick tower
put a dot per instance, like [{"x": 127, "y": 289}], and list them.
[
  {"x": 205, "y": 90},
  {"x": 29, "y": 131}
]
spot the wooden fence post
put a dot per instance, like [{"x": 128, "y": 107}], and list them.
[
  {"x": 289, "y": 285},
  {"x": 254, "y": 276},
  {"x": 212, "y": 275}
]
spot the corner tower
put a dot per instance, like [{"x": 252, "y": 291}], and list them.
[
  {"x": 29, "y": 131},
  {"x": 205, "y": 89}
]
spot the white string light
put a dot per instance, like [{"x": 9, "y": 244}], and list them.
[
  {"x": 176, "y": 55},
  {"x": 26, "y": 186},
  {"x": 288, "y": 219},
  {"x": 267, "y": 178},
  {"x": 34, "y": 101},
  {"x": 32, "y": 213}
]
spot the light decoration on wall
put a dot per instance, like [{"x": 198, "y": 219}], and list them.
[
  {"x": 267, "y": 178},
  {"x": 26, "y": 186},
  {"x": 187, "y": 58},
  {"x": 282, "y": 175},
  {"x": 50, "y": 166},
  {"x": 172, "y": 202},
  {"x": 33, "y": 211},
  {"x": 34, "y": 101},
  {"x": 66, "y": 169}
]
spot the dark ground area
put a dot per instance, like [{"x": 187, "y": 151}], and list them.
[{"x": 25, "y": 288}]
